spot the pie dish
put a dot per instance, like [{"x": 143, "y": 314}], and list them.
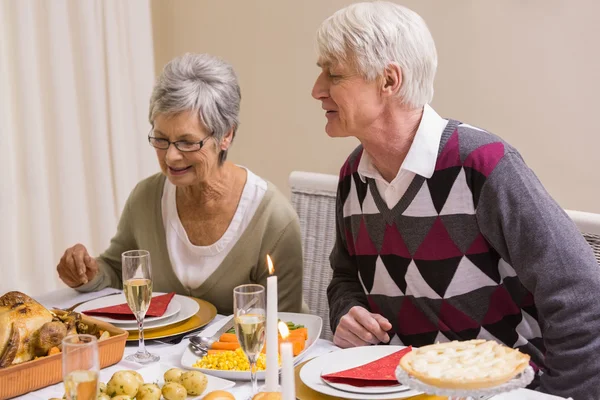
[{"x": 472, "y": 364}]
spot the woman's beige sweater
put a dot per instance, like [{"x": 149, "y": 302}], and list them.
[{"x": 273, "y": 230}]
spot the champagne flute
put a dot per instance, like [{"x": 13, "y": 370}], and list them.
[
  {"x": 137, "y": 285},
  {"x": 80, "y": 367},
  {"x": 249, "y": 319}
]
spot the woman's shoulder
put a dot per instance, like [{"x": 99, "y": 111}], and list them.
[
  {"x": 275, "y": 206},
  {"x": 148, "y": 189}
]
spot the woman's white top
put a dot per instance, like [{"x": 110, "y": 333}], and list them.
[{"x": 194, "y": 264}]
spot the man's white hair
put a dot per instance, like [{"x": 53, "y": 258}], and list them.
[{"x": 372, "y": 35}]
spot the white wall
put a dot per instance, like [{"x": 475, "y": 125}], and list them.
[{"x": 526, "y": 70}]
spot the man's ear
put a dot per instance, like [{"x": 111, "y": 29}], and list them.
[{"x": 392, "y": 80}]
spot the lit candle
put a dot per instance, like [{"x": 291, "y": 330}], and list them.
[
  {"x": 272, "y": 372},
  {"x": 288, "y": 386}
]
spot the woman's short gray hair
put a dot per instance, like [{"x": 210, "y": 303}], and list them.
[
  {"x": 201, "y": 83},
  {"x": 370, "y": 36}
]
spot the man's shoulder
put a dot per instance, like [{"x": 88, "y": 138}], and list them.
[{"x": 475, "y": 148}]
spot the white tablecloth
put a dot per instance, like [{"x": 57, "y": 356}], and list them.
[{"x": 171, "y": 355}]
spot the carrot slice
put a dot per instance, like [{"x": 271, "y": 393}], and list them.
[
  {"x": 228, "y": 337},
  {"x": 224, "y": 346},
  {"x": 300, "y": 332}
]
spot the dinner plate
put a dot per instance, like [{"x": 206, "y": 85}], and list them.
[
  {"x": 187, "y": 308},
  {"x": 311, "y": 372},
  {"x": 206, "y": 312},
  {"x": 313, "y": 323},
  {"x": 349, "y": 358},
  {"x": 173, "y": 308}
]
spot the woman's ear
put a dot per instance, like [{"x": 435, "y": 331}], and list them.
[
  {"x": 392, "y": 80},
  {"x": 227, "y": 139}
]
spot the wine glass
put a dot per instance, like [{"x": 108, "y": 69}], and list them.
[
  {"x": 80, "y": 367},
  {"x": 137, "y": 285},
  {"x": 249, "y": 320}
]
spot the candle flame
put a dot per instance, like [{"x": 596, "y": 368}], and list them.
[
  {"x": 283, "y": 329},
  {"x": 270, "y": 264}
]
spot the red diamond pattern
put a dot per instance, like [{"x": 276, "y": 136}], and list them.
[
  {"x": 393, "y": 242},
  {"x": 437, "y": 245}
]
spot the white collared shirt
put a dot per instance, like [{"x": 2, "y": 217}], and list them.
[{"x": 420, "y": 159}]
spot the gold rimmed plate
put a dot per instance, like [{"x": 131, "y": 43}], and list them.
[{"x": 205, "y": 314}]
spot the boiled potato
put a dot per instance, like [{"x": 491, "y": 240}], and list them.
[
  {"x": 148, "y": 391},
  {"x": 123, "y": 383},
  {"x": 174, "y": 391},
  {"x": 103, "y": 396},
  {"x": 218, "y": 395},
  {"x": 173, "y": 375},
  {"x": 122, "y": 397},
  {"x": 194, "y": 382},
  {"x": 137, "y": 375},
  {"x": 102, "y": 387}
]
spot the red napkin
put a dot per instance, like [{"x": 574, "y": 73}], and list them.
[
  {"x": 381, "y": 372},
  {"x": 157, "y": 308}
]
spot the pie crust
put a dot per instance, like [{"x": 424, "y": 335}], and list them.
[{"x": 472, "y": 364}]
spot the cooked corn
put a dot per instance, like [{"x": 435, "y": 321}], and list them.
[{"x": 230, "y": 361}]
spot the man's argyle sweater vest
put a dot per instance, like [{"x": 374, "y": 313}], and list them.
[{"x": 425, "y": 265}]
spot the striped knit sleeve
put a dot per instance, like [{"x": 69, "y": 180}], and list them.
[{"x": 551, "y": 258}]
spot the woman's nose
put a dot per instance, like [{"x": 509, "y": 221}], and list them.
[{"x": 173, "y": 153}]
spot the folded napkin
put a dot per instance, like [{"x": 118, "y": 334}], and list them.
[
  {"x": 157, "y": 308},
  {"x": 381, "y": 372}
]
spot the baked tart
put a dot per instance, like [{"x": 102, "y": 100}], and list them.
[{"x": 472, "y": 364}]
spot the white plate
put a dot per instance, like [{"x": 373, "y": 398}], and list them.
[
  {"x": 354, "y": 357},
  {"x": 188, "y": 307},
  {"x": 313, "y": 323},
  {"x": 109, "y": 301},
  {"x": 154, "y": 373},
  {"x": 311, "y": 372}
]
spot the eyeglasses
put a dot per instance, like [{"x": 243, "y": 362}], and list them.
[{"x": 181, "y": 145}]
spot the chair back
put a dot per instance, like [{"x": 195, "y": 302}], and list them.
[
  {"x": 589, "y": 225},
  {"x": 313, "y": 197}
]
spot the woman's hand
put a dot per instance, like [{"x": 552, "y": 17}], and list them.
[
  {"x": 76, "y": 267},
  {"x": 359, "y": 327}
]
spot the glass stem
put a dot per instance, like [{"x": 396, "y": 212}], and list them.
[
  {"x": 253, "y": 376},
  {"x": 142, "y": 345}
]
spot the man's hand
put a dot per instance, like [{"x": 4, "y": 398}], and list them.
[{"x": 359, "y": 327}]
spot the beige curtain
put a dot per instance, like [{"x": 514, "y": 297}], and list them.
[{"x": 75, "y": 79}]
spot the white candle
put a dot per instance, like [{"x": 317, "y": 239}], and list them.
[
  {"x": 272, "y": 372},
  {"x": 288, "y": 386}
]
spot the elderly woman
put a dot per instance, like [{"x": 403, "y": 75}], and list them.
[
  {"x": 207, "y": 223},
  {"x": 443, "y": 232}
]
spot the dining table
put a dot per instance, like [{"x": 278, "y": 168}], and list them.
[{"x": 170, "y": 354}]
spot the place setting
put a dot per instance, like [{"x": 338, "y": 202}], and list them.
[{"x": 167, "y": 315}]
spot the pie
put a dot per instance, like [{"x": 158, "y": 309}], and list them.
[{"x": 472, "y": 364}]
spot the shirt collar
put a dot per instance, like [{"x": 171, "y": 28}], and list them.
[{"x": 422, "y": 155}]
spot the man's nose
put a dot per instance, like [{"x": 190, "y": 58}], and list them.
[{"x": 321, "y": 87}]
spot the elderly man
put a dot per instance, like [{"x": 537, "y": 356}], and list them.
[{"x": 443, "y": 232}]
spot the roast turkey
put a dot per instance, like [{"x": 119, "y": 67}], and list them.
[{"x": 21, "y": 320}]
